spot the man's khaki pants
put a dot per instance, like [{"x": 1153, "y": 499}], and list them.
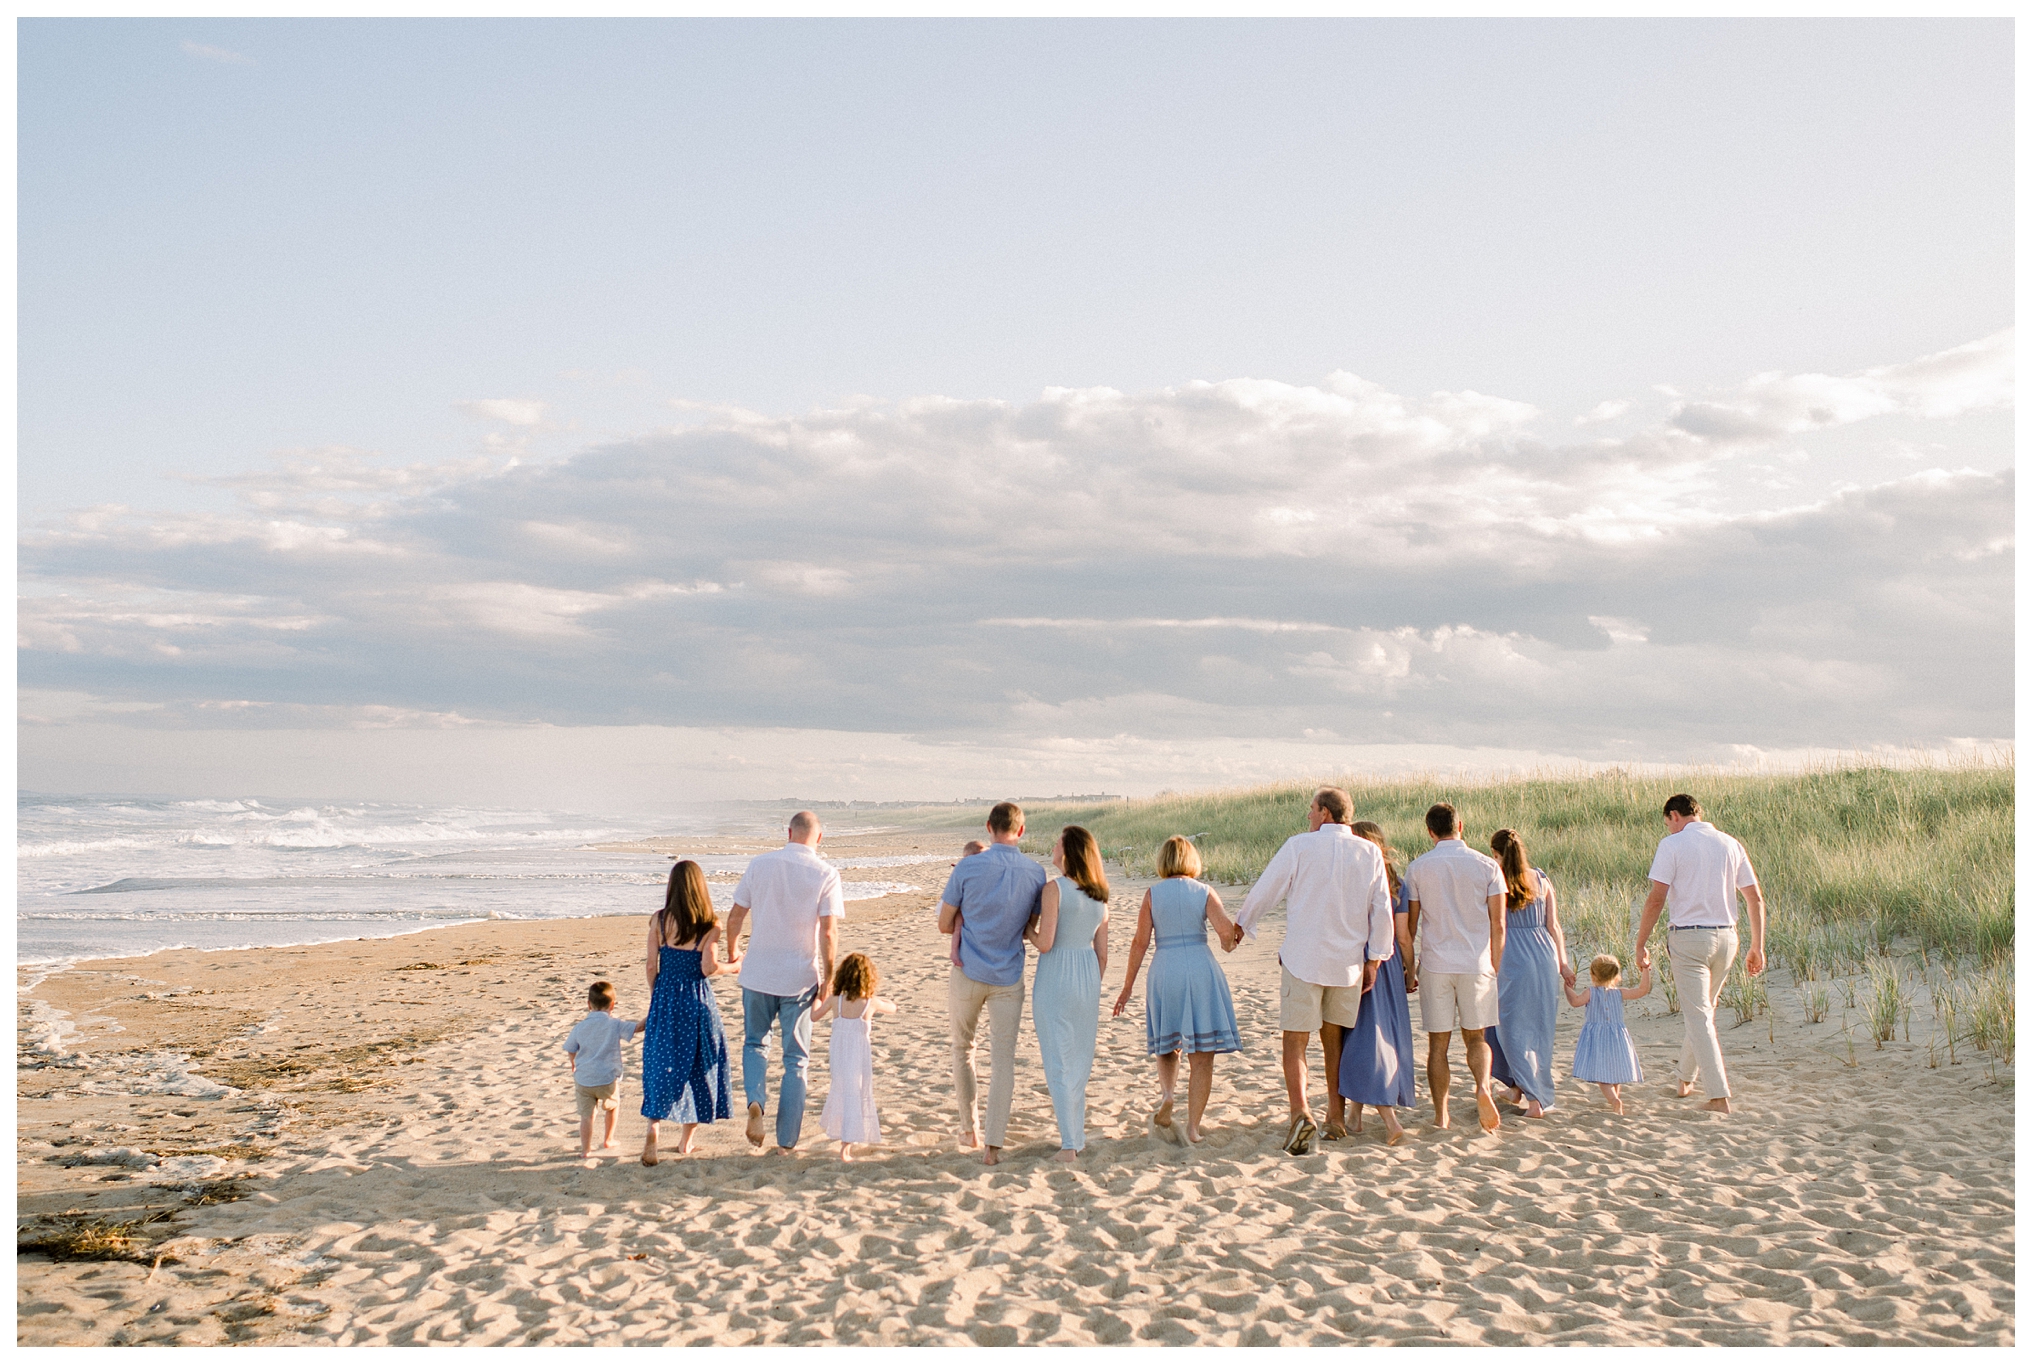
[
  {"x": 1700, "y": 967},
  {"x": 964, "y": 999}
]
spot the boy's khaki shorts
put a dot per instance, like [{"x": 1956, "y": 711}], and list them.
[{"x": 592, "y": 1098}]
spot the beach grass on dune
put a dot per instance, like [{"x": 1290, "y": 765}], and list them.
[{"x": 1850, "y": 858}]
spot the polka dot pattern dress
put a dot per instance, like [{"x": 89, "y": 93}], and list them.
[{"x": 685, "y": 1073}]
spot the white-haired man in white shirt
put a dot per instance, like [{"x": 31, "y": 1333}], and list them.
[
  {"x": 1697, "y": 873},
  {"x": 1337, "y": 929}
]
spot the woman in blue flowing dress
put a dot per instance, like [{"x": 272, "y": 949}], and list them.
[
  {"x": 1378, "y": 1057},
  {"x": 1529, "y": 983},
  {"x": 686, "y": 1077}
]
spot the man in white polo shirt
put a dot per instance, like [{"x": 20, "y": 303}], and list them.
[
  {"x": 1697, "y": 873},
  {"x": 1457, "y": 898},
  {"x": 1337, "y": 928},
  {"x": 794, "y": 895}
]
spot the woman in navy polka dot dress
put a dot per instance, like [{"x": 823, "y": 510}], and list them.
[{"x": 685, "y": 1074}]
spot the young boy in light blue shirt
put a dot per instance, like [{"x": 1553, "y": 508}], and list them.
[{"x": 594, "y": 1048}]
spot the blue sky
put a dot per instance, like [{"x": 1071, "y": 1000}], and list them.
[{"x": 887, "y": 383}]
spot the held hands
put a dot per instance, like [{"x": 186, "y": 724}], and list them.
[{"x": 1644, "y": 957}]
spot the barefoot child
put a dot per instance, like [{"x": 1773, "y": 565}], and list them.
[
  {"x": 594, "y": 1048},
  {"x": 1605, "y": 1054},
  {"x": 850, "y": 1115}
]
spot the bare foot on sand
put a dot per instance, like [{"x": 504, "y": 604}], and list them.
[
  {"x": 649, "y": 1150},
  {"x": 754, "y": 1124},
  {"x": 1485, "y": 1107},
  {"x": 991, "y": 1156},
  {"x": 1070, "y": 1157},
  {"x": 1161, "y": 1123},
  {"x": 1441, "y": 1118},
  {"x": 687, "y": 1142},
  {"x": 846, "y": 1150},
  {"x": 1616, "y": 1106},
  {"x": 1717, "y": 1105},
  {"x": 1685, "y": 1090},
  {"x": 969, "y": 1140},
  {"x": 1532, "y": 1110}
]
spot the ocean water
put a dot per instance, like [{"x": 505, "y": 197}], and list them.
[{"x": 104, "y": 877}]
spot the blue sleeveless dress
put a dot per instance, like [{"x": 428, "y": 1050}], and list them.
[
  {"x": 1605, "y": 1054},
  {"x": 1378, "y": 1057},
  {"x": 1186, "y": 1005},
  {"x": 1527, "y": 1002},
  {"x": 685, "y": 1075},
  {"x": 1065, "y": 1008}
]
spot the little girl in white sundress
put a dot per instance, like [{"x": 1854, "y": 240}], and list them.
[{"x": 850, "y": 1116}]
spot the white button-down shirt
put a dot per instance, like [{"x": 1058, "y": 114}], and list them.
[
  {"x": 1701, "y": 869},
  {"x": 787, "y": 891},
  {"x": 1451, "y": 886},
  {"x": 1337, "y": 905}
]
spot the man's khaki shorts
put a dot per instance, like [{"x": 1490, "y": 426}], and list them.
[
  {"x": 1447, "y": 1001},
  {"x": 1303, "y": 1006},
  {"x": 592, "y": 1098}
]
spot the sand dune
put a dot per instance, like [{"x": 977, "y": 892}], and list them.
[{"x": 404, "y": 1148}]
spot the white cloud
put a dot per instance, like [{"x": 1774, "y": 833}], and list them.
[
  {"x": 1981, "y": 374},
  {"x": 206, "y": 52},
  {"x": 1603, "y": 412},
  {"x": 513, "y": 411},
  {"x": 1246, "y": 558}
]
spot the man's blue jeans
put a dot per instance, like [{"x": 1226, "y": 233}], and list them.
[{"x": 793, "y": 1014}]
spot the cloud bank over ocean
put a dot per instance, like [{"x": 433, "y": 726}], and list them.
[{"x": 1289, "y": 565}]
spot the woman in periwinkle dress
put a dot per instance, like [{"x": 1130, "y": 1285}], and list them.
[
  {"x": 1070, "y": 934},
  {"x": 1528, "y": 985},
  {"x": 1188, "y": 1007},
  {"x": 685, "y": 1075},
  {"x": 1378, "y": 1056}
]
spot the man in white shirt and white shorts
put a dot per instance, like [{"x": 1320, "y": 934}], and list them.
[
  {"x": 1697, "y": 873},
  {"x": 1457, "y": 898},
  {"x": 1337, "y": 928}
]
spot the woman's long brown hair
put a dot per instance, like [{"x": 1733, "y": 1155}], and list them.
[
  {"x": 1083, "y": 862},
  {"x": 1371, "y": 830},
  {"x": 1509, "y": 851},
  {"x": 687, "y": 906}
]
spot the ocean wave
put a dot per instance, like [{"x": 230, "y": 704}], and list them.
[{"x": 873, "y": 890}]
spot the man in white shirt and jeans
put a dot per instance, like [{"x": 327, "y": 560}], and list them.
[
  {"x": 1337, "y": 928},
  {"x": 1457, "y": 895},
  {"x": 1697, "y": 873},
  {"x": 794, "y": 896}
]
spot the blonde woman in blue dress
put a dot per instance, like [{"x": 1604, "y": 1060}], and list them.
[
  {"x": 1070, "y": 934},
  {"x": 1187, "y": 1007}
]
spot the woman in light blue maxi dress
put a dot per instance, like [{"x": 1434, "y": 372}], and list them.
[
  {"x": 1379, "y": 1057},
  {"x": 1188, "y": 1008},
  {"x": 1528, "y": 984},
  {"x": 1070, "y": 933}
]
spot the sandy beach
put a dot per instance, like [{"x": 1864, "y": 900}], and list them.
[{"x": 373, "y": 1142}]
